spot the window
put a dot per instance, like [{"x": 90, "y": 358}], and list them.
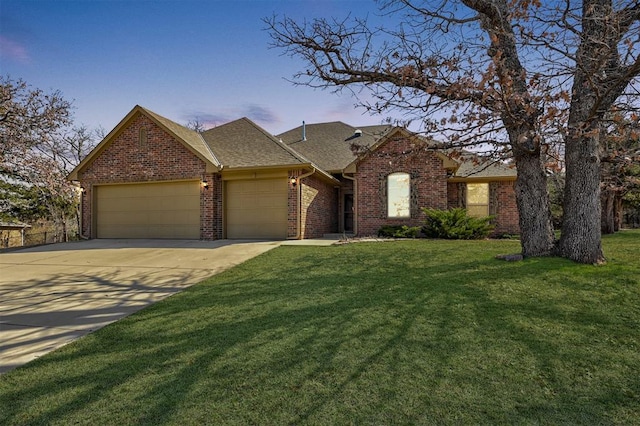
[
  {"x": 478, "y": 199},
  {"x": 398, "y": 195}
]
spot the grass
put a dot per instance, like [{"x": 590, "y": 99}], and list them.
[{"x": 408, "y": 332}]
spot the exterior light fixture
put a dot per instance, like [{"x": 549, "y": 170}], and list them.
[
  {"x": 205, "y": 184},
  {"x": 293, "y": 181}
]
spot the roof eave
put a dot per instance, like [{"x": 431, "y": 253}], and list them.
[{"x": 481, "y": 178}]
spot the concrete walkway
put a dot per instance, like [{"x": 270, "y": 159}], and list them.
[{"x": 52, "y": 295}]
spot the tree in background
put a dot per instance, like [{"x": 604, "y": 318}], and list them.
[
  {"x": 497, "y": 73},
  {"x": 196, "y": 124},
  {"x": 620, "y": 167},
  {"x": 39, "y": 147}
]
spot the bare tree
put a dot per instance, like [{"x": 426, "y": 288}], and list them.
[
  {"x": 607, "y": 61},
  {"x": 491, "y": 72},
  {"x": 29, "y": 116},
  {"x": 196, "y": 124},
  {"x": 39, "y": 148}
]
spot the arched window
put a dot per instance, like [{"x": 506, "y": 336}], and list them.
[{"x": 399, "y": 195}]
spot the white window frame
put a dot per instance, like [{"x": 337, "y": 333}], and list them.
[{"x": 398, "y": 195}]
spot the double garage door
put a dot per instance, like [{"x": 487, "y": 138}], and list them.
[
  {"x": 149, "y": 210},
  {"x": 254, "y": 208}
]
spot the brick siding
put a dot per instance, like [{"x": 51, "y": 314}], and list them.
[
  {"x": 211, "y": 208},
  {"x": 319, "y": 207},
  {"x": 507, "y": 218},
  {"x": 292, "y": 206},
  {"x": 454, "y": 191},
  {"x": 160, "y": 158},
  {"x": 502, "y": 204},
  {"x": 428, "y": 183}
]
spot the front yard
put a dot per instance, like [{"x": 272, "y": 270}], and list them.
[{"x": 408, "y": 332}]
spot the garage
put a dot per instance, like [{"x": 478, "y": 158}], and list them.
[
  {"x": 148, "y": 210},
  {"x": 256, "y": 208}
]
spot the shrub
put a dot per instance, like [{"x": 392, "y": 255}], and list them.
[
  {"x": 455, "y": 224},
  {"x": 399, "y": 231}
]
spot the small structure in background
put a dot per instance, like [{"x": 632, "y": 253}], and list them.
[{"x": 12, "y": 234}]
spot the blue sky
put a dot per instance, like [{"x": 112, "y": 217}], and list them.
[{"x": 183, "y": 59}]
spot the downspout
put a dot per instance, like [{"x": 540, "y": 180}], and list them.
[
  {"x": 355, "y": 203},
  {"x": 299, "y": 202}
]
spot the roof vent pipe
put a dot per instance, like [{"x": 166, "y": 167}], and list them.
[{"x": 304, "y": 131}]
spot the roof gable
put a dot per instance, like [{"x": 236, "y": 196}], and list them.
[
  {"x": 392, "y": 132},
  {"x": 189, "y": 138}
]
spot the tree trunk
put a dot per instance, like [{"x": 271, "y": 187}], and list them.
[
  {"x": 596, "y": 58},
  {"x": 65, "y": 230},
  {"x": 581, "y": 238},
  {"x": 617, "y": 212},
  {"x": 532, "y": 197},
  {"x": 607, "y": 222}
]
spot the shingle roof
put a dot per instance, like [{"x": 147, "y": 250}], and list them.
[
  {"x": 475, "y": 167},
  {"x": 327, "y": 147},
  {"x": 241, "y": 143},
  {"x": 329, "y": 144}
]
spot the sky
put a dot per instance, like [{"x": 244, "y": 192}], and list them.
[{"x": 183, "y": 59}]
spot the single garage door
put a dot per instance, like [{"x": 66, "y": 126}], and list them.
[
  {"x": 256, "y": 208},
  {"x": 150, "y": 210}
]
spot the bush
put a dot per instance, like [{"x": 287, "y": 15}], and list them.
[
  {"x": 399, "y": 231},
  {"x": 455, "y": 224}
]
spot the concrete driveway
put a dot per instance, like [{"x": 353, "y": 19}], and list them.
[{"x": 51, "y": 295}]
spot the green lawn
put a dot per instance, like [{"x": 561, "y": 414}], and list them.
[{"x": 408, "y": 332}]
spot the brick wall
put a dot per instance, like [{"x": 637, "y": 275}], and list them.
[
  {"x": 292, "y": 204},
  {"x": 211, "y": 208},
  {"x": 454, "y": 192},
  {"x": 428, "y": 183},
  {"x": 502, "y": 204},
  {"x": 85, "y": 206},
  {"x": 159, "y": 158},
  {"x": 506, "y": 209},
  {"x": 319, "y": 207}
]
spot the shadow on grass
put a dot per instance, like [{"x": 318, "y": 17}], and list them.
[{"x": 391, "y": 333}]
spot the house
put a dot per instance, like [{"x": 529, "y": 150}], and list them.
[{"x": 153, "y": 178}]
